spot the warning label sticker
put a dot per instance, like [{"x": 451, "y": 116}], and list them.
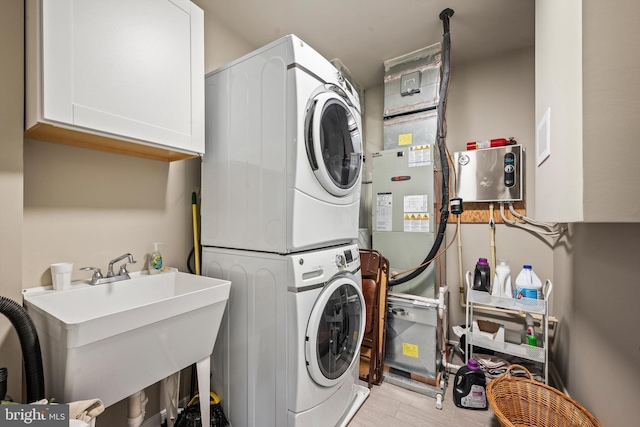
[
  {"x": 410, "y": 350},
  {"x": 416, "y": 222},
  {"x": 416, "y": 203},
  {"x": 419, "y": 155},
  {"x": 384, "y": 208},
  {"x": 405, "y": 139}
]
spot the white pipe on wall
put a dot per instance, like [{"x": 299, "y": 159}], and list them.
[{"x": 136, "y": 408}]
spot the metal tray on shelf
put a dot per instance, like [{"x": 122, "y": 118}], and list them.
[
  {"x": 525, "y": 351},
  {"x": 529, "y": 305}
]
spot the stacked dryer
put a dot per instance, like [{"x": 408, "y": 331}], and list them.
[{"x": 280, "y": 205}]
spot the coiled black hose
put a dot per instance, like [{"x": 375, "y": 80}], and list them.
[
  {"x": 440, "y": 142},
  {"x": 3, "y": 383},
  {"x": 34, "y": 374}
]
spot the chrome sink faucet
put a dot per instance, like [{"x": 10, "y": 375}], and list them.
[
  {"x": 123, "y": 267},
  {"x": 123, "y": 274}
]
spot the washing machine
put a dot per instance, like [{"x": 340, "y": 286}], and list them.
[
  {"x": 282, "y": 166},
  {"x": 287, "y": 353}
]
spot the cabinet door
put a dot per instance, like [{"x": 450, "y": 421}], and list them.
[{"x": 126, "y": 68}]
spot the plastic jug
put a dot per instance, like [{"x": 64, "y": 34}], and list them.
[
  {"x": 528, "y": 285},
  {"x": 502, "y": 281},
  {"x": 469, "y": 389},
  {"x": 482, "y": 276}
]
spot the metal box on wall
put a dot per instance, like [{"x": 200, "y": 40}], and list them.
[
  {"x": 411, "y": 130},
  {"x": 490, "y": 174},
  {"x": 412, "y": 81},
  {"x": 413, "y": 340},
  {"x": 403, "y": 220}
]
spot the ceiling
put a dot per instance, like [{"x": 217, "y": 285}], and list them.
[{"x": 365, "y": 33}]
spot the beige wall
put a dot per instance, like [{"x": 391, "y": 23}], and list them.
[
  {"x": 11, "y": 104},
  {"x": 488, "y": 99},
  {"x": 598, "y": 349},
  {"x": 611, "y": 107},
  {"x": 373, "y": 141},
  {"x": 221, "y": 44}
]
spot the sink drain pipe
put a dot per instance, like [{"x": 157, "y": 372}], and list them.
[
  {"x": 136, "y": 408},
  {"x": 31, "y": 355}
]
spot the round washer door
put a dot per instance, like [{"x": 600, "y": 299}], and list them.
[
  {"x": 335, "y": 331},
  {"x": 334, "y": 143}
]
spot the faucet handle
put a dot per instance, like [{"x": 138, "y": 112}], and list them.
[
  {"x": 96, "y": 271},
  {"x": 97, "y": 274},
  {"x": 123, "y": 267}
]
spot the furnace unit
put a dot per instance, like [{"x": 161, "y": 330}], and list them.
[{"x": 403, "y": 182}]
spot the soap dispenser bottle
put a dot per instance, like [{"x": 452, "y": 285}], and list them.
[{"x": 155, "y": 260}]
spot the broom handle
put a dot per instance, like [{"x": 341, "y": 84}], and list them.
[{"x": 196, "y": 247}]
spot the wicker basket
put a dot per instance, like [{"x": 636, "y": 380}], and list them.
[{"x": 524, "y": 402}]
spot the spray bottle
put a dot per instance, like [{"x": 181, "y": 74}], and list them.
[{"x": 530, "y": 332}]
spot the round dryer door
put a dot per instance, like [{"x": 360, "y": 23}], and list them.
[
  {"x": 335, "y": 331},
  {"x": 334, "y": 143}
]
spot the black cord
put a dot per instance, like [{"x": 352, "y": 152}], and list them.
[
  {"x": 189, "y": 257},
  {"x": 440, "y": 142}
]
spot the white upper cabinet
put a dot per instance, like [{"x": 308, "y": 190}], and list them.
[
  {"x": 587, "y": 78},
  {"x": 118, "y": 75}
]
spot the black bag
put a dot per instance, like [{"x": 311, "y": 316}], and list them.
[{"x": 190, "y": 416}]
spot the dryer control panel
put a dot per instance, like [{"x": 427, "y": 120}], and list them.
[
  {"x": 323, "y": 264},
  {"x": 345, "y": 258}
]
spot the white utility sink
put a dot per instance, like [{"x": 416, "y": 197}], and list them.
[{"x": 109, "y": 341}]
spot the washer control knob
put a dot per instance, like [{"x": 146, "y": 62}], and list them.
[{"x": 340, "y": 260}]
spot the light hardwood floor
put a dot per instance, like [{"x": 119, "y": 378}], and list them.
[{"x": 391, "y": 406}]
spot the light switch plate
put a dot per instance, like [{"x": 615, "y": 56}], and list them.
[{"x": 543, "y": 137}]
